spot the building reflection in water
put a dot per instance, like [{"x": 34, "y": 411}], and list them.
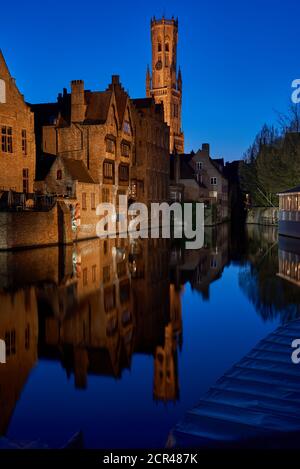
[
  {"x": 19, "y": 329},
  {"x": 94, "y": 305},
  {"x": 289, "y": 260}
]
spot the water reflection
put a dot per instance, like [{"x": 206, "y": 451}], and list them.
[
  {"x": 272, "y": 296},
  {"x": 93, "y": 306}
]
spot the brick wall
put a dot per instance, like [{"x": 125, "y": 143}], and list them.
[{"x": 28, "y": 229}]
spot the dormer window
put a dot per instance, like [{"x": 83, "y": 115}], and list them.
[
  {"x": 2, "y": 92},
  {"x": 126, "y": 127}
]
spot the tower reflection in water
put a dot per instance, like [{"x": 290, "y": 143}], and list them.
[{"x": 94, "y": 305}]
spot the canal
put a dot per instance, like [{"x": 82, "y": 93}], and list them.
[{"x": 119, "y": 338}]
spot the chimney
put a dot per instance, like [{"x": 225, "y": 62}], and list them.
[
  {"x": 78, "y": 106},
  {"x": 115, "y": 79},
  {"x": 205, "y": 148}
]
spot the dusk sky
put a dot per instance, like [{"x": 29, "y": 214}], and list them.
[{"x": 238, "y": 59}]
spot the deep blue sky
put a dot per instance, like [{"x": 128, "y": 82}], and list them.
[{"x": 238, "y": 58}]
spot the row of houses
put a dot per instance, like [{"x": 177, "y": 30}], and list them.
[{"x": 89, "y": 147}]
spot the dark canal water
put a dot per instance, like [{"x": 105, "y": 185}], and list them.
[{"x": 119, "y": 339}]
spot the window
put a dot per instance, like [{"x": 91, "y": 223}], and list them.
[
  {"x": 141, "y": 187},
  {"x": 83, "y": 201},
  {"x": 25, "y": 180},
  {"x": 167, "y": 47},
  {"x": 199, "y": 165},
  {"x": 110, "y": 145},
  {"x": 93, "y": 201},
  {"x": 85, "y": 276},
  {"x": 106, "y": 274},
  {"x": 126, "y": 127},
  {"x": 213, "y": 181},
  {"x": 59, "y": 174},
  {"x": 125, "y": 149},
  {"x": 124, "y": 291},
  {"x": 2, "y": 92},
  {"x": 108, "y": 170},
  {"x": 109, "y": 298},
  {"x": 105, "y": 195},
  {"x": 27, "y": 337},
  {"x": 159, "y": 47},
  {"x": 24, "y": 142},
  {"x": 94, "y": 270},
  {"x": 105, "y": 247},
  {"x": 124, "y": 172},
  {"x": 10, "y": 342},
  {"x": 167, "y": 62},
  {"x": 6, "y": 139},
  {"x": 133, "y": 188}
]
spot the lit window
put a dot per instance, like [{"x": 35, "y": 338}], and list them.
[{"x": 125, "y": 149}]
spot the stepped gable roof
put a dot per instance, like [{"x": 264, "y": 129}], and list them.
[
  {"x": 97, "y": 106},
  {"x": 121, "y": 96}
]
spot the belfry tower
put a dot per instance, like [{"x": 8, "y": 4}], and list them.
[{"x": 165, "y": 85}]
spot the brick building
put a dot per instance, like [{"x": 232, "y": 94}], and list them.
[
  {"x": 196, "y": 177},
  {"x": 150, "y": 174},
  {"x": 94, "y": 127},
  {"x": 17, "y": 147}
]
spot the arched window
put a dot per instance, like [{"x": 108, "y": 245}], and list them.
[
  {"x": 59, "y": 174},
  {"x": 159, "y": 47}
]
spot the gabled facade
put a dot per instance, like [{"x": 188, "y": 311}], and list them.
[
  {"x": 17, "y": 145},
  {"x": 94, "y": 127},
  {"x": 196, "y": 177}
]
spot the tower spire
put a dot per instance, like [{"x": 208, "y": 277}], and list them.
[{"x": 163, "y": 83}]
